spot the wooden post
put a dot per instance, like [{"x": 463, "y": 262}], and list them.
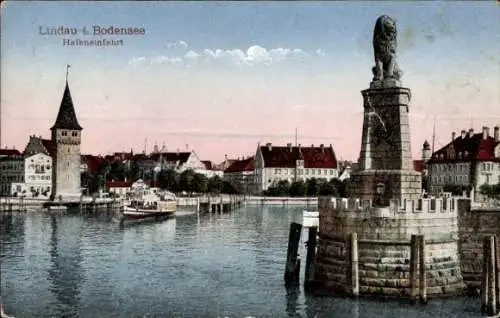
[
  {"x": 492, "y": 302},
  {"x": 292, "y": 269},
  {"x": 422, "y": 272},
  {"x": 484, "y": 283},
  {"x": 413, "y": 268},
  {"x": 311, "y": 252},
  {"x": 353, "y": 260},
  {"x": 497, "y": 269}
]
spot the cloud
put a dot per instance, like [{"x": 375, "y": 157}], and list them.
[
  {"x": 166, "y": 60},
  {"x": 177, "y": 45},
  {"x": 136, "y": 61},
  {"x": 253, "y": 56},
  {"x": 320, "y": 52}
]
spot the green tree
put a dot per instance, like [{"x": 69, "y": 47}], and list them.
[
  {"x": 215, "y": 184},
  {"x": 186, "y": 180},
  {"x": 298, "y": 189},
  {"x": 344, "y": 188},
  {"x": 200, "y": 183},
  {"x": 328, "y": 188},
  {"x": 168, "y": 179},
  {"x": 133, "y": 172},
  {"x": 312, "y": 187},
  {"x": 490, "y": 190},
  {"x": 227, "y": 187}
]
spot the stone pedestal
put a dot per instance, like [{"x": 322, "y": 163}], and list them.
[{"x": 386, "y": 164}]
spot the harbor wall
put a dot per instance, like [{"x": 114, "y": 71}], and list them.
[
  {"x": 384, "y": 246},
  {"x": 474, "y": 225}
]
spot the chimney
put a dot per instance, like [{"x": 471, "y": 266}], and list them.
[
  {"x": 471, "y": 132},
  {"x": 496, "y": 134},
  {"x": 486, "y": 132},
  {"x": 225, "y": 157},
  {"x": 462, "y": 134},
  {"x": 177, "y": 150},
  {"x": 289, "y": 145},
  {"x": 453, "y": 134},
  {"x": 322, "y": 148},
  {"x": 269, "y": 146}
]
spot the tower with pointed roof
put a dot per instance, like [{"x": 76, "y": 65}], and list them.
[{"x": 66, "y": 139}]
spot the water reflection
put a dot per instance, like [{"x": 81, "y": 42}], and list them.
[
  {"x": 292, "y": 296},
  {"x": 65, "y": 273}
]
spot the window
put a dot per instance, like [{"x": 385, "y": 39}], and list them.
[
  {"x": 74, "y": 134},
  {"x": 64, "y": 133}
]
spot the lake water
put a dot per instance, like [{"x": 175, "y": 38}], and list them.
[{"x": 230, "y": 265}]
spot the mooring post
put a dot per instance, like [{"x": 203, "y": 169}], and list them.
[
  {"x": 311, "y": 252},
  {"x": 492, "y": 302},
  {"x": 497, "y": 269},
  {"x": 484, "y": 283},
  {"x": 353, "y": 254},
  {"x": 413, "y": 268},
  {"x": 422, "y": 272},
  {"x": 292, "y": 269}
]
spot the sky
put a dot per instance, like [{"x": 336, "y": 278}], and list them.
[{"x": 220, "y": 77}]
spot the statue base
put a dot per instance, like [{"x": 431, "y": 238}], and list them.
[{"x": 385, "y": 83}]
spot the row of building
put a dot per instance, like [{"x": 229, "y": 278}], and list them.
[
  {"x": 468, "y": 160},
  {"x": 53, "y": 167}
]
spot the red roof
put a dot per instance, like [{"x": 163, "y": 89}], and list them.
[
  {"x": 418, "y": 165},
  {"x": 9, "y": 152},
  {"x": 49, "y": 146},
  {"x": 241, "y": 165},
  {"x": 93, "y": 162},
  {"x": 119, "y": 184},
  {"x": 286, "y": 157},
  {"x": 469, "y": 148}
]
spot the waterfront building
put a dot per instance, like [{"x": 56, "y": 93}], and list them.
[
  {"x": 467, "y": 161},
  {"x": 225, "y": 164},
  {"x": 241, "y": 175},
  {"x": 28, "y": 174},
  {"x": 9, "y": 152},
  {"x": 178, "y": 161},
  {"x": 11, "y": 171},
  {"x": 293, "y": 163},
  {"x": 211, "y": 169}
]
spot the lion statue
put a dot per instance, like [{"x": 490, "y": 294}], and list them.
[{"x": 384, "y": 46}]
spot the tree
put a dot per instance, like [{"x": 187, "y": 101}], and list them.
[
  {"x": 490, "y": 190},
  {"x": 227, "y": 187},
  {"x": 297, "y": 189},
  {"x": 327, "y": 188},
  {"x": 168, "y": 179},
  {"x": 200, "y": 183},
  {"x": 215, "y": 184},
  {"x": 344, "y": 188},
  {"x": 133, "y": 172},
  {"x": 312, "y": 187},
  {"x": 186, "y": 180}
]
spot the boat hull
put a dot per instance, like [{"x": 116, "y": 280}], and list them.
[{"x": 134, "y": 214}]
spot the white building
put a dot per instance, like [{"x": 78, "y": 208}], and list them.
[
  {"x": 178, "y": 161},
  {"x": 469, "y": 161},
  {"x": 273, "y": 164},
  {"x": 211, "y": 170},
  {"x": 29, "y": 174}
]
